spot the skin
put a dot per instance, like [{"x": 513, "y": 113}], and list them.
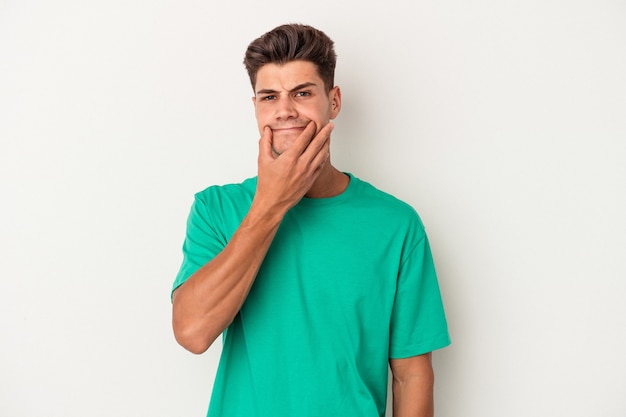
[
  {"x": 289, "y": 96},
  {"x": 294, "y": 111},
  {"x": 412, "y": 386}
]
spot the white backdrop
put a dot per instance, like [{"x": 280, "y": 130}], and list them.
[{"x": 503, "y": 123}]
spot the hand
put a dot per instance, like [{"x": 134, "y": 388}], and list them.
[{"x": 284, "y": 179}]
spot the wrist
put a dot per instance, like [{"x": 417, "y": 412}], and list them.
[{"x": 265, "y": 213}]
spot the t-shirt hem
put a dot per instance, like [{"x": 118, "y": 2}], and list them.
[{"x": 439, "y": 342}]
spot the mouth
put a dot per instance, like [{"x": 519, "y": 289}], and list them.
[
  {"x": 288, "y": 129},
  {"x": 284, "y": 137}
]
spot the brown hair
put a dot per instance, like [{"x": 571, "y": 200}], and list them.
[{"x": 293, "y": 42}]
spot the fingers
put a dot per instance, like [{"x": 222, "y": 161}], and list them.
[
  {"x": 307, "y": 147},
  {"x": 321, "y": 157},
  {"x": 305, "y": 138},
  {"x": 320, "y": 141}
]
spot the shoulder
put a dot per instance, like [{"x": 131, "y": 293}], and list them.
[
  {"x": 216, "y": 194},
  {"x": 220, "y": 208},
  {"x": 387, "y": 203},
  {"x": 224, "y": 203}
]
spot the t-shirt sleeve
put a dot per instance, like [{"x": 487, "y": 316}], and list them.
[
  {"x": 418, "y": 322},
  {"x": 202, "y": 241}
]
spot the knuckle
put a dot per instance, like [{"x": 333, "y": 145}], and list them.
[{"x": 302, "y": 169}]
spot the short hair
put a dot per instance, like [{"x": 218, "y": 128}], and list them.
[{"x": 293, "y": 42}]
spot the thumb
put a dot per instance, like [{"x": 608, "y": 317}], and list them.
[{"x": 265, "y": 143}]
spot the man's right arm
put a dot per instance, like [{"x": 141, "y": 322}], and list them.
[{"x": 211, "y": 298}]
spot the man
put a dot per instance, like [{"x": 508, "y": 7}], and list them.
[{"x": 316, "y": 280}]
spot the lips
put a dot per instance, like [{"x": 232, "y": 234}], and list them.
[{"x": 288, "y": 129}]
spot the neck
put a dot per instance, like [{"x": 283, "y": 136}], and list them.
[{"x": 331, "y": 182}]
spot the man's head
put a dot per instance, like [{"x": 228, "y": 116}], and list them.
[
  {"x": 291, "y": 69},
  {"x": 293, "y": 42}
]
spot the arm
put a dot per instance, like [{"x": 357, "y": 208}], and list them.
[
  {"x": 413, "y": 381},
  {"x": 211, "y": 298}
]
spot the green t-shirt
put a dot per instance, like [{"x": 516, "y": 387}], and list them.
[{"x": 347, "y": 283}]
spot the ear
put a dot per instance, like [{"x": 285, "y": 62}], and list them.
[{"x": 335, "y": 101}]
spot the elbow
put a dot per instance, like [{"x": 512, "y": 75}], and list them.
[
  {"x": 193, "y": 347},
  {"x": 193, "y": 341},
  {"x": 191, "y": 335},
  {"x": 193, "y": 331}
]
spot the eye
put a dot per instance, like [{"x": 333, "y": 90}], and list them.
[
  {"x": 303, "y": 94},
  {"x": 268, "y": 98}
]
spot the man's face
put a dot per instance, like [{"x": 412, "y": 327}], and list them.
[{"x": 289, "y": 96}]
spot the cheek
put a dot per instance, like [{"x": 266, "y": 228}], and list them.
[
  {"x": 318, "y": 113},
  {"x": 262, "y": 116}
]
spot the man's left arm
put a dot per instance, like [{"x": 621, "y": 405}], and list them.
[{"x": 413, "y": 381}]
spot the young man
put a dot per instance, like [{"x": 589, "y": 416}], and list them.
[{"x": 316, "y": 280}]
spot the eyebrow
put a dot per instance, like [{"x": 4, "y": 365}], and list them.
[{"x": 296, "y": 88}]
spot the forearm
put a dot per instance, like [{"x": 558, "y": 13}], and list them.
[
  {"x": 413, "y": 381},
  {"x": 210, "y": 299},
  {"x": 413, "y": 399}
]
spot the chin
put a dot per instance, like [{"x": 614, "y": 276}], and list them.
[
  {"x": 278, "y": 150},
  {"x": 281, "y": 144}
]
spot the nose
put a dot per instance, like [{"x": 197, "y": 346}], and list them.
[{"x": 286, "y": 109}]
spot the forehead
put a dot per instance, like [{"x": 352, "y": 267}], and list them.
[{"x": 287, "y": 76}]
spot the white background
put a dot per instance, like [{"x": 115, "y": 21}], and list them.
[{"x": 502, "y": 122}]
